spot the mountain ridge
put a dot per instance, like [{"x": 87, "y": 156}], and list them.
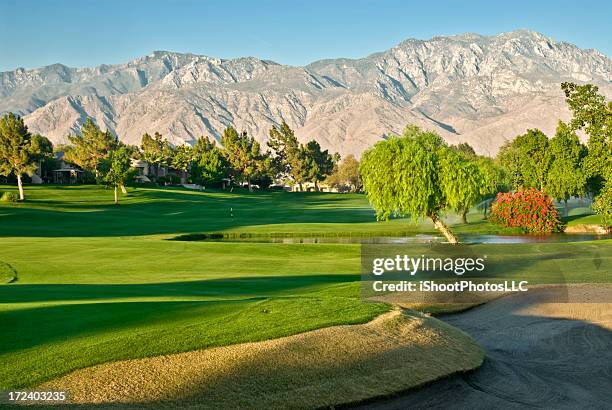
[{"x": 470, "y": 88}]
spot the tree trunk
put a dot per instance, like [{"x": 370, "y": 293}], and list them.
[
  {"x": 464, "y": 216},
  {"x": 316, "y": 184},
  {"x": 441, "y": 226},
  {"x": 20, "y": 185},
  {"x": 566, "y": 210},
  {"x": 250, "y": 187},
  {"x": 301, "y": 188},
  {"x": 116, "y": 196},
  {"x": 123, "y": 190}
]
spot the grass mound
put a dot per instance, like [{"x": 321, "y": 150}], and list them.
[
  {"x": 7, "y": 273},
  {"x": 325, "y": 367}
]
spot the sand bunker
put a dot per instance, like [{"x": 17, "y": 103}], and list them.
[
  {"x": 340, "y": 364},
  {"x": 539, "y": 354}
]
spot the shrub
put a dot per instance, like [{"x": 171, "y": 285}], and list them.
[
  {"x": 8, "y": 197},
  {"x": 530, "y": 210}
]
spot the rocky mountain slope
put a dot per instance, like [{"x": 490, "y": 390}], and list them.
[{"x": 479, "y": 89}]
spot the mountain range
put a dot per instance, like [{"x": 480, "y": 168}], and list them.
[{"x": 470, "y": 88}]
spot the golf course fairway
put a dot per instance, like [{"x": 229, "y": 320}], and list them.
[{"x": 89, "y": 286}]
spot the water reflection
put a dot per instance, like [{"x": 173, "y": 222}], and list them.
[{"x": 420, "y": 238}]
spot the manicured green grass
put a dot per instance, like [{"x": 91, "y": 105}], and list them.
[
  {"x": 593, "y": 219},
  {"x": 96, "y": 282},
  {"x": 87, "y": 210},
  {"x": 83, "y": 301}
]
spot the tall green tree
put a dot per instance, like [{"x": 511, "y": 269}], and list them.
[
  {"x": 290, "y": 158},
  {"x": 42, "y": 147},
  {"x": 156, "y": 151},
  {"x": 408, "y": 175},
  {"x": 565, "y": 177},
  {"x": 203, "y": 144},
  {"x": 245, "y": 156},
  {"x": 90, "y": 147},
  {"x": 182, "y": 158},
  {"x": 18, "y": 150},
  {"x": 320, "y": 163},
  {"x": 42, "y": 151},
  {"x": 593, "y": 114},
  {"x": 209, "y": 166},
  {"x": 526, "y": 159},
  {"x": 494, "y": 180},
  {"x": 463, "y": 184},
  {"x": 284, "y": 146},
  {"x": 299, "y": 167},
  {"x": 115, "y": 168}
]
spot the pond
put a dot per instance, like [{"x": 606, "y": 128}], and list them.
[{"x": 419, "y": 238}]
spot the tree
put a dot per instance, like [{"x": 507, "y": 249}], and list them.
[
  {"x": 494, "y": 180},
  {"x": 90, "y": 147},
  {"x": 42, "y": 147},
  {"x": 346, "y": 173},
  {"x": 209, "y": 166},
  {"x": 320, "y": 163},
  {"x": 465, "y": 149},
  {"x": 285, "y": 147},
  {"x": 299, "y": 167},
  {"x": 290, "y": 157},
  {"x": 565, "y": 177},
  {"x": 407, "y": 176},
  {"x": 156, "y": 151},
  {"x": 462, "y": 184},
  {"x": 18, "y": 150},
  {"x": 202, "y": 145},
  {"x": 603, "y": 205},
  {"x": 526, "y": 159},
  {"x": 244, "y": 155},
  {"x": 181, "y": 159},
  {"x": 115, "y": 169},
  {"x": 591, "y": 113}
]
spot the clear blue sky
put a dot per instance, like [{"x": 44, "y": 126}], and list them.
[{"x": 88, "y": 32}]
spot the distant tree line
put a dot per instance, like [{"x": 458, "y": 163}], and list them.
[
  {"x": 239, "y": 159},
  {"x": 417, "y": 174}
]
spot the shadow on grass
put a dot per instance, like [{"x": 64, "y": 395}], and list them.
[
  {"x": 35, "y": 327},
  {"x": 249, "y": 286}
]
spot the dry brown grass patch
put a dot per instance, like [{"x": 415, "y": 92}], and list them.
[{"x": 340, "y": 364}]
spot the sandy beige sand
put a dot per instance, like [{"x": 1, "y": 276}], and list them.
[
  {"x": 335, "y": 365},
  {"x": 539, "y": 354}
]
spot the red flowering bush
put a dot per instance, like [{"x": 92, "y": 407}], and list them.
[{"x": 531, "y": 210}]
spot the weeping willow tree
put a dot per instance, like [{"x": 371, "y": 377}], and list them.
[{"x": 418, "y": 175}]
